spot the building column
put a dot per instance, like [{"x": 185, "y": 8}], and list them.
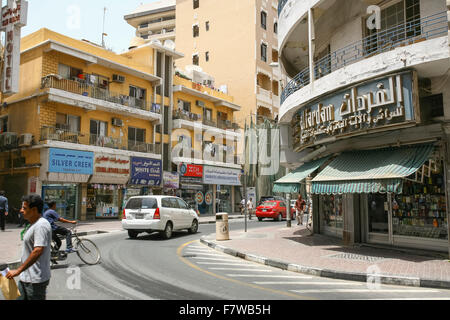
[
  {"x": 83, "y": 207},
  {"x": 312, "y": 37},
  {"x": 214, "y": 198}
]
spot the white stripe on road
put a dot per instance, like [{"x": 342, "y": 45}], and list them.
[
  {"x": 241, "y": 269},
  {"x": 206, "y": 254},
  {"x": 214, "y": 259},
  {"x": 364, "y": 290},
  {"x": 267, "y": 276},
  {"x": 307, "y": 283},
  {"x": 227, "y": 264}
]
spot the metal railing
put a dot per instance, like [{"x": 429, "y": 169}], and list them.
[
  {"x": 186, "y": 115},
  {"x": 407, "y": 33},
  {"x": 62, "y": 135},
  {"x": 281, "y": 5},
  {"x": 96, "y": 92}
]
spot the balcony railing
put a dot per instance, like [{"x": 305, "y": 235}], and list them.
[
  {"x": 62, "y": 135},
  {"x": 96, "y": 92},
  {"x": 281, "y": 5},
  {"x": 186, "y": 115},
  {"x": 401, "y": 35},
  {"x": 209, "y": 155}
]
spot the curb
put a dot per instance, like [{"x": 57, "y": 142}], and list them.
[{"x": 334, "y": 274}]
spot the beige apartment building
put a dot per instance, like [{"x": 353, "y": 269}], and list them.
[{"x": 235, "y": 41}]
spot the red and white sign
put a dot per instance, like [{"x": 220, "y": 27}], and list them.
[
  {"x": 13, "y": 18},
  {"x": 192, "y": 170},
  {"x": 111, "y": 169}
]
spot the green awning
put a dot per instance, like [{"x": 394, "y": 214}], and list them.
[
  {"x": 291, "y": 182},
  {"x": 371, "y": 171}
]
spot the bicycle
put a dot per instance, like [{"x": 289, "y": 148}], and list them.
[{"x": 86, "y": 250}]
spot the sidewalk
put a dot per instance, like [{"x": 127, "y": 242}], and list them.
[
  {"x": 295, "y": 249},
  {"x": 11, "y": 245}
]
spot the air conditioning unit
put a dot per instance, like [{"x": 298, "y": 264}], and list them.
[
  {"x": 118, "y": 78},
  {"x": 117, "y": 122},
  {"x": 25, "y": 140},
  {"x": 11, "y": 140},
  {"x": 200, "y": 103}
]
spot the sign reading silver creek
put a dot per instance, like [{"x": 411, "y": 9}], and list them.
[{"x": 372, "y": 105}]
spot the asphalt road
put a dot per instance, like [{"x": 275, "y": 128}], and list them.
[{"x": 182, "y": 268}]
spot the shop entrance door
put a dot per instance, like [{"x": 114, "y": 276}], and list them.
[
  {"x": 65, "y": 197},
  {"x": 379, "y": 218}
]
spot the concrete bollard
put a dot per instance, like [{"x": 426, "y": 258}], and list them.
[{"x": 222, "y": 230}]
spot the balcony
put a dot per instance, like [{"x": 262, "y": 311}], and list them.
[
  {"x": 80, "y": 90},
  {"x": 189, "y": 120},
  {"x": 49, "y": 133},
  {"x": 264, "y": 95},
  {"x": 405, "y": 34},
  {"x": 208, "y": 156}
]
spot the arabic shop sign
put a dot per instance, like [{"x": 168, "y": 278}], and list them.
[
  {"x": 146, "y": 171},
  {"x": 368, "y": 106}
]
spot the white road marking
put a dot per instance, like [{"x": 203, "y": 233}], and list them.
[
  {"x": 214, "y": 259},
  {"x": 226, "y": 264},
  {"x": 241, "y": 269},
  {"x": 307, "y": 283},
  {"x": 206, "y": 254},
  {"x": 364, "y": 290},
  {"x": 267, "y": 276}
]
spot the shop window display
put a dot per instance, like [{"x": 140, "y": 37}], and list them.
[
  {"x": 378, "y": 213},
  {"x": 421, "y": 210},
  {"x": 104, "y": 200},
  {"x": 332, "y": 211}
]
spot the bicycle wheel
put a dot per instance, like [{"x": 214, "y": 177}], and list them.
[{"x": 88, "y": 252}]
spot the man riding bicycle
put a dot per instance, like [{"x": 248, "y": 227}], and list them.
[{"x": 52, "y": 216}]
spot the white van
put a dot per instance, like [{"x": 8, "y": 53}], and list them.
[{"x": 158, "y": 213}]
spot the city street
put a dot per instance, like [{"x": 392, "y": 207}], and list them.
[{"x": 184, "y": 269}]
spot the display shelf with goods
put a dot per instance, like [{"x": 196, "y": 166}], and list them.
[
  {"x": 104, "y": 200},
  {"x": 421, "y": 210},
  {"x": 332, "y": 211}
]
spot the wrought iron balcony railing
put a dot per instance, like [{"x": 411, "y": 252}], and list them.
[
  {"x": 404, "y": 34},
  {"x": 96, "y": 92},
  {"x": 62, "y": 135}
]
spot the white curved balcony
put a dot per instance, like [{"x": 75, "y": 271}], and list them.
[{"x": 422, "y": 44}]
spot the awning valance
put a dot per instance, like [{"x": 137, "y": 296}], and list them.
[
  {"x": 291, "y": 182},
  {"x": 371, "y": 171}
]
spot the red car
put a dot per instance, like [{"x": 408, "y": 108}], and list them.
[{"x": 274, "y": 209}]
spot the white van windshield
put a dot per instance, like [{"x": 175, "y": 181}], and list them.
[{"x": 142, "y": 203}]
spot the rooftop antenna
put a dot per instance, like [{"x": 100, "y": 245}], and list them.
[{"x": 103, "y": 33}]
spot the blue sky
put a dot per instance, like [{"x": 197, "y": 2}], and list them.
[{"x": 83, "y": 19}]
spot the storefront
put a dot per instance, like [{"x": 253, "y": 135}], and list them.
[
  {"x": 171, "y": 182},
  {"x": 223, "y": 182},
  {"x": 146, "y": 177},
  {"x": 193, "y": 191},
  {"x": 106, "y": 186},
  {"x": 62, "y": 174},
  {"x": 393, "y": 196}
]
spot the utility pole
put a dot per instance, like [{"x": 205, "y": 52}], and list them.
[{"x": 103, "y": 33}]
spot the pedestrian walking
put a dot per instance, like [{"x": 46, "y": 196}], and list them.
[
  {"x": 34, "y": 272},
  {"x": 242, "y": 206},
  {"x": 250, "y": 208},
  {"x": 3, "y": 209},
  {"x": 300, "y": 208}
]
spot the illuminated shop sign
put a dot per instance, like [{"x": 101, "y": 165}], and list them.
[{"x": 381, "y": 103}]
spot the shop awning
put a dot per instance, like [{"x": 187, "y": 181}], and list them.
[
  {"x": 371, "y": 171},
  {"x": 291, "y": 182}
]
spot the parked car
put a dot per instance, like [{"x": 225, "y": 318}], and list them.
[
  {"x": 164, "y": 214},
  {"x": 275, "y": 209},
  {"x": 269, "y": 198}
]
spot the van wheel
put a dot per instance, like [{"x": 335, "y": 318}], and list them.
[
  {"x": 167, "y": 233},
  {"x": 260, "y": 219},
  {"x": 194, "y": 228},
  {"x": 132, "y": 234}
]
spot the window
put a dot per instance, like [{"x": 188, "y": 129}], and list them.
[
  {"x": 182, "y": 204},
  {"x": 195, "y": 60},
  {"x": 275, "y": 28},
  {"x": 4, "y": 124},
  {"x": 97, "y": 80},
  {"x": 397, "y": 24},
  {"x": 142, "y": 203},
  {"x": 98, "y": 129},
  {"x": 136, "y": 135},
  {"x": 207, "y": 114},
  {"x": 207, "y": 25},
  {"x": 138, "y": 93},
  {"x": 264, "y": 20},
  {"x": 68, "y": 72},
  {"x": 196, "y": 31},
  {"x": 207, "y": 56},
  {"x": 184, "y": 105},
  {"x": 264, "y": 52},
  {"x": 196, "y": 4},
  {"x": 67, "y": 122}
]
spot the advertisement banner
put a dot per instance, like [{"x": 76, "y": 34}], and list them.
[
  {"x": 111, "y": 169},
  {"x": 221, "y": 176},
  {"x": 191, "y": 173},
  {"x": 171, "y": 180},
  {"x": 70, "y": 161},
  {"x": 146, "y": 171}
]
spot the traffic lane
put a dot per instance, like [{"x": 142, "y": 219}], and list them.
[{"x": 144, "y": 268}]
